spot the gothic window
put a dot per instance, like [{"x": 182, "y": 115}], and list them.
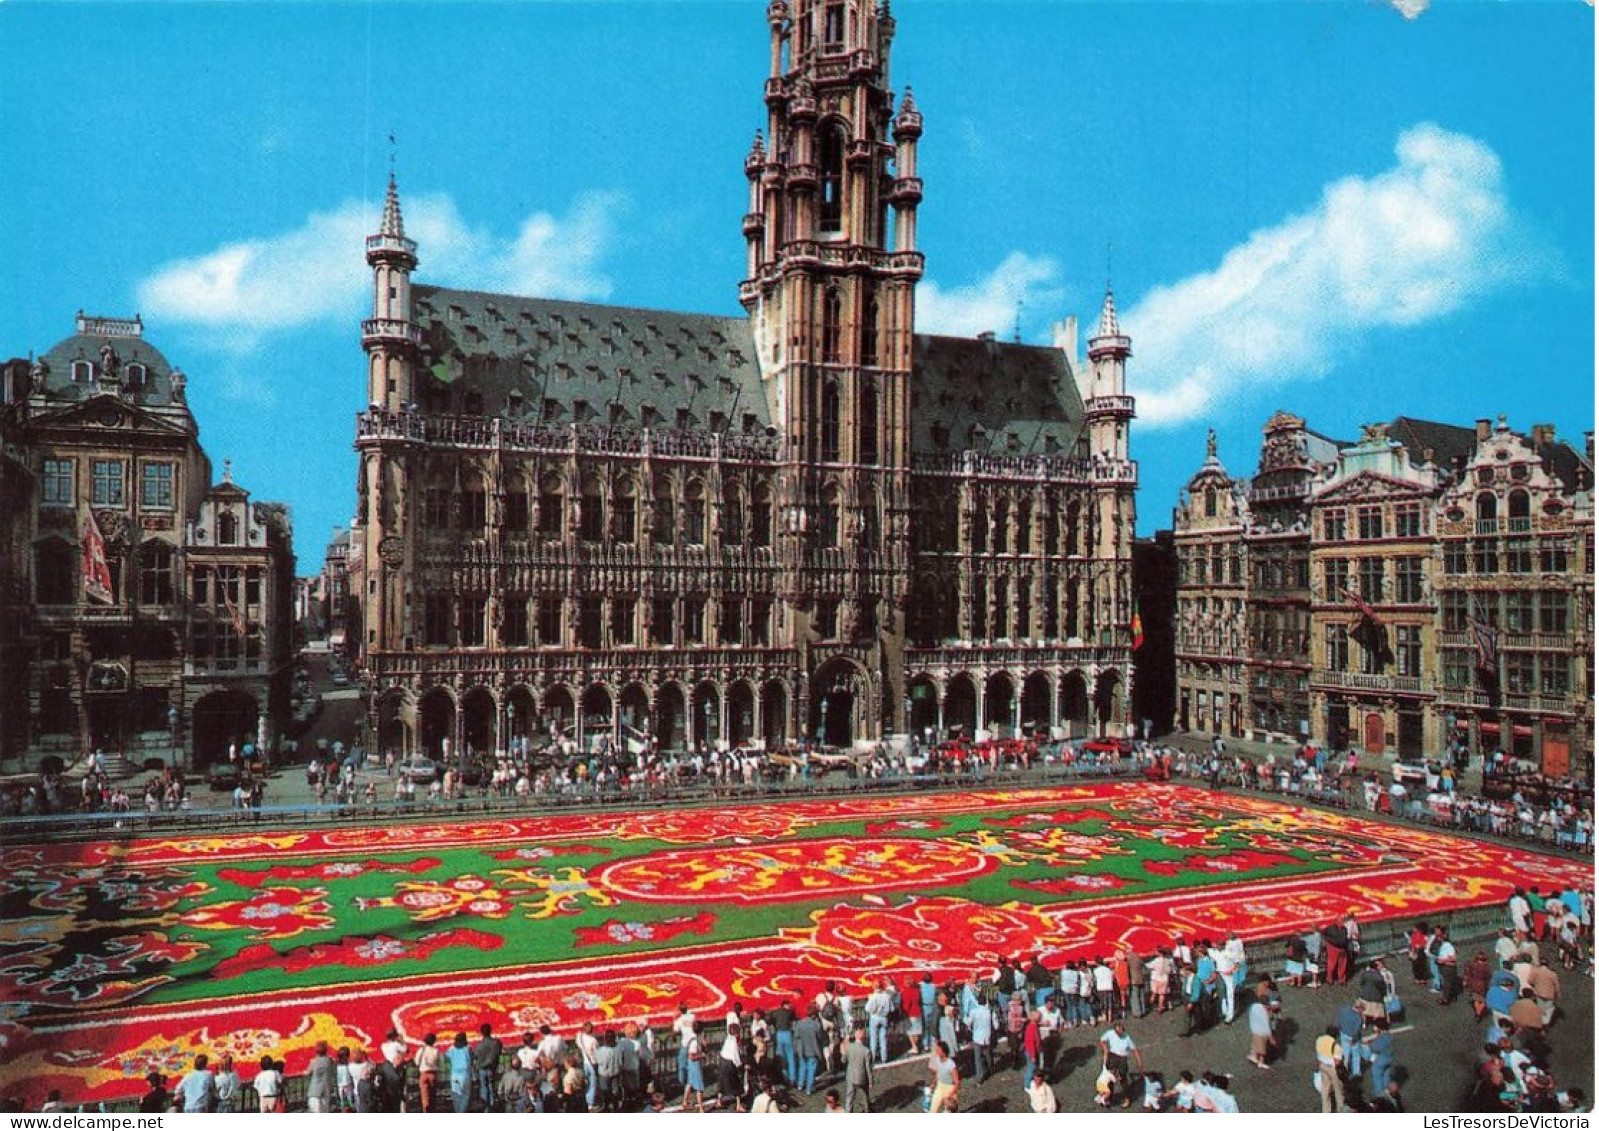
[
  {"x": 826, "y": 621},
  {"x": 550, "y": 620},
  {"x": 665, "y": 514},
  {"x": 1051, "y": 611},
  {"x": 623, "y": 610},
  {"x": 832, "y": 144},
  {"x": 515, "y": 516},
  {"x": 760, "y": 533},
  {"x": 833, "y": 25},
  {"x": 868, "y": 453},
  {"x": 871, "y": 527},
  {"x": 694, "y": 514},
  {"x": 155, "y": 573},
  {"x": 474, "y": 512},
  {"x": 1001, "y": 526},
  {"x": 591, "y": 522},
  {"x": 1024, "y": 527},
  {"x": 732, "y": 517},
  {"x": 1074, "y": 512},
  {"x": 760, "y": 627},
  {"x": 869, "y": 319},
  {"x": 436, "y": 610},
  {"x": 106, "y": 480},
  {"x": 828, "y": 530},
  {"x": 979, "y": 528},
  {"x": 1051, "y": 530},
  {"x": 830, "y": 422},
  {"x": 552, "y": 514},
  {"x": 55, "y": 573},
  {"x": 513, "y": 620},
  {"x": 624, "y": 513},
  {"x": 832, "y": 327},
  {"x": 693, "y": 620},
  {"x": 731, "y": 622},
  {"x": 663, "y": 610},
  {"x": 1000, "y": 609},
  {"x": 1024, "y": 609},
  {"x": 436, "y": 509},
  {"x": 590, "y": 614},
  {"x": 474, "y": 616},
  {"x": 155, "y": 486}
]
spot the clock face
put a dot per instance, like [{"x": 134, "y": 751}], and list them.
[{"x": 391, "y": 550}]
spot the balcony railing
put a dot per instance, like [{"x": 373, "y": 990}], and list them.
[
  {"x": 1365, "y": 681},
  {"x": 600, "y": 439},
  {"x": 1055, "y": 468}
]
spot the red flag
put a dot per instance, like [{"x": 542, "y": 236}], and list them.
[
  {"x": 96, "y": 566},
  {"x": 1137, "y": 629},
  {"x": 1486, "y": 640}
]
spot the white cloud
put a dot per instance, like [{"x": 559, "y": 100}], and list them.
[
  {"x": 318, "y": 273},
  {"x": 1410, "y": 9},
  {"x": 1411, "y": 244},
  {"x": 991, "y": 302}
]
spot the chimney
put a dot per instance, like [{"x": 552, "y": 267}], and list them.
[
  {"x": 1428, "y": 456},
  {"x": 1543, "y": 434},
  {"x": 1484, "y": 428}
]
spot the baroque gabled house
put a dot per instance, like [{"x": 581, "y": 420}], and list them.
[
  {"x": 148, "y": 610},
  {"x": 809, "y": 521}
]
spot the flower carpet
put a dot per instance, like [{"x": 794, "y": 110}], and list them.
[{"x": 117, "y": 958}]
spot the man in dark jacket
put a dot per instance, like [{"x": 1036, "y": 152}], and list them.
[
  {"x": 486, "y": 1063},
  {"x": 1335, "y": 940}
]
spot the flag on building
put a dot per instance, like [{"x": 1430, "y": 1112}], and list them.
[
  {"x": 1137, "y": 629},
  {"x": 234, "y": 614},
  {"x": 1486, "y": 639},
  {"x": 96, "y": 566},
  {"x": 1368, "y": 631}
]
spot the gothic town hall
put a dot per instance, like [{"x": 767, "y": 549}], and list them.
[{"x": 808, "y": 522}]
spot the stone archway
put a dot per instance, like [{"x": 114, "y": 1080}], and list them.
[
  {"x": 521, "y": 713},
  {"x": 840, "y": 705},
  {"x": 1108, "y": 702},
  {"x": 560, "y": 712},
  {"x": 391, "y": 729},
  {"x": 923, "y": 694},
  {"x": 740, "y": 713},
  {"x": 1074, "y": 706},
  {"x": 670, "y": 732},
  {"x": 435, "y": 721},
  {"x": 477, "y": 720},
  {"x": 597, "y": 718},
  {"x": 960, "y": 706},
  {"x": 1037, "y": 712},
  {"x": 999, "y": 705},
  {"x": 633, "y": 720},
  {"x": 774, "y": 714},
  {"x": 705, "y": 715}
]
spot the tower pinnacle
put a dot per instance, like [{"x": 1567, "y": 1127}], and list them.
[{"x": 393, "y": 223}]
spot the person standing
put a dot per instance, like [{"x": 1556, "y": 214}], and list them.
[
  {"x": 808, "y": 1045},
  {"x": 1117, "y": 1048},
  {"x": 458, "y": 1058},
  {"x": 1137, "y": 981},
  {"x": 228, "y": 1085},
  {"x": 782, "y": 1021},
  {"x": 427, "y": 1070},
  {"x": 320, "y": 1076},
  {"x": 1259, "y": 1033},
  {"x": 858, "y": 1074},
  {"x": 486, "y": 1064},
  {"x": 879, "y": 1004},
  {"x": 1041, "y": 1096},
  {"x": 946, "y": 1079},
  {"x": 1329, "y": 1057},
  {"x": 980, "y": 1024},
  {"x": 198, "y": 1090},
  {"x": 729, "y": 1070},
  {"x": 694, "y": 1084},
  {"x": 683, "y": 1026}
]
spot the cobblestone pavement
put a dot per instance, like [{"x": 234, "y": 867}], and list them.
[{"x": 1436, "y": 1048}]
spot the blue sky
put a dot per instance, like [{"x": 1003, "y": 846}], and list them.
[{"x": 1348, "y": 210}]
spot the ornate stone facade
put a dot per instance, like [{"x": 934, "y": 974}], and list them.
[
  {"x": 1515, "y": 554},
  {"x": 1365, "y": 570},
  {"x": 181, "y": 643},
  {"x": 811, "y": 521}
]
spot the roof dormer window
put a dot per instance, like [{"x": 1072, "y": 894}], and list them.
[
  {"x": 136, "y": 375},
  {"x": 82, "y": 372}
]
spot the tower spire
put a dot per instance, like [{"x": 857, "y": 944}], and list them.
[{"x": 393, "y": 223}]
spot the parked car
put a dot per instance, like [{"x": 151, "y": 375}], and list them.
[
  {"x": 223, "y": 776},
  {"x": 422, "y": 771}
]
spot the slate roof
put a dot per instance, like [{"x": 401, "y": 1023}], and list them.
[
  {"x": 157, "y": 388},
  {"x": 1447, "y": 441},
  {"x": 576, "y": 362}
]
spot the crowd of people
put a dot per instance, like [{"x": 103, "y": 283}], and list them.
[{"x": 1021, "y": 1016}]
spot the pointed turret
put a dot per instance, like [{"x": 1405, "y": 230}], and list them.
[
  {"x": 1108, "y": 339},
  {"x": 389, "y": 336},
  {"x": 1108, "y": 409}
]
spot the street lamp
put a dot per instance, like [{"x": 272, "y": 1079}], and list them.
[{"x": 172, "y": 725}]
